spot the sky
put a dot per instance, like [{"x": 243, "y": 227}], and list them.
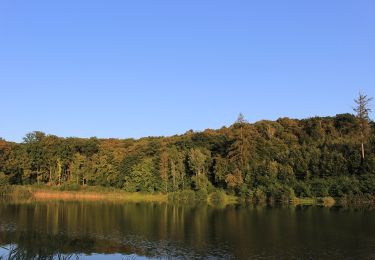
[{"x": 130, "y": 69}]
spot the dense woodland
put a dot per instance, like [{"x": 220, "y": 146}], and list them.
[{"x": 313, "y": 157}]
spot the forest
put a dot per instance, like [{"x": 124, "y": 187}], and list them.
[{"x": 266, "y": 160}]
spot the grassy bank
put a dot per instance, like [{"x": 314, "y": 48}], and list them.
[
  {"x": 44, "y": 192},
  {"x": 85, "y": 193}
]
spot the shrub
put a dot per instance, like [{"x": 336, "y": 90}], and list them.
[
  {"x": 5, "y": 190},
  {"x": 70, "y": 187},
  {"x": 344, "y": 186},
  {"x": 280, "y": 193},
  {"x": 319, "y": 188},
  {"x": 260, "y": 195},
  {"x": 250, "y": 196},
  {"x": 185, "y": 195},
  {"x": 285, "y": 194},
  {"x": 302, "y": 190},
  {"x": 4, "y": 180},
  {"x": 218, "y": 196},
  {"x": 201, "y": 195},
  {"x": 367, "y": 183},
  {"x": 327, "y": 201}
]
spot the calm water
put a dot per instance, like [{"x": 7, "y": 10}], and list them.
[{"x": 102, "y": 230}]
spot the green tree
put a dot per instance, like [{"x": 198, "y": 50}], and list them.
[
  {"x": 141, "y": 178},
  {"x": 177, "y": 168},
  {"x": 239, "y": 154},
  {"x": 199, "y": 162},
  {"x": 78, "y": 169},
  {"x": 37, "y": 168},
  {"x": 164, "y": 169}
]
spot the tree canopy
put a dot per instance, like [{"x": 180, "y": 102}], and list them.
[{"x": 310, "y": 157}]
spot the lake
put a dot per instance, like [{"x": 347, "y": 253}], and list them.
[{"x": 101, "y": 230}]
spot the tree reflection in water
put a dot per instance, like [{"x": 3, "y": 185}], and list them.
[{"x": 150, "y": 230}]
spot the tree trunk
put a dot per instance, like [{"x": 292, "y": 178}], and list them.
[
  {"x": 50, "y": 175},
  {"x": 174, "y": 181},
  {"x": 197, "y": 176},
  {"x": 363, "y": 152}
]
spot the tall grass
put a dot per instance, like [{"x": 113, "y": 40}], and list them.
[{"x": 84, "y": 193}]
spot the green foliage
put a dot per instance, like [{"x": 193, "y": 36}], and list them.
[
  {"x": 274, "y": 161},
  {"x": 281, "y": 193},
  {"x": 70, "y": 187},
  {"x": 259, "y": 195},
  {"x": 4, "y": 180},
  {"x": 201, "y": 195},
  {"x": 218, "y": 196},
  {"x": 141, "y": 178},
  {"x": 302, "y": 190},
  {"x": 15, "y": 192},
  {"x": 185, "y": 195},
  {"x": 344, "y": 186},
  {"x": 367, "y": 183},
  {"x": 319, "y": 187}
]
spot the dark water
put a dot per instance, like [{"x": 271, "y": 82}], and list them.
[{"x": 127, "y": 231}]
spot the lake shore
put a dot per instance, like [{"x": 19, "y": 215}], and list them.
[
  {"x": 90, "y": 193},
  {"x": 79, "y": 195}
]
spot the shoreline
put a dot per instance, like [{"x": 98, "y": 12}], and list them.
[
  {"x": 89, "y": 194},
  {"x": 93, "y": 193},
  {"x": 95, "y": 196}
]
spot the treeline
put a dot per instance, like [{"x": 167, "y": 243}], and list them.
[{"x": 319, "y": 156}]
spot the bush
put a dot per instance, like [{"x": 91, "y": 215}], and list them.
[
  {"x": 4, "y": 180},
  {"x": 5, "y": 190},
  {"x": 285, "y": 194},
  {"x": 250, "y": 196},
  {"x": 280, "y": 193},
  {"x": 344, "y": 186},
  {"x": 185, "y": 195},
  {"x": 172, "y": 196},
  {"x": 201, "y": 195},
  {"x": 302, "y": 190},
  {"x": 243, "y": 191},
  {"x": 70, "y": 187},
  {"x": 15, "y": 192},
  {"x": 218, "y": 196},
  {"x": 367, "y": 183},
  {"x": 359, "y": 199},
  {"x": 260, "y": 195},
  {"x": 327, "y": 201},
  {"x": 319, "y": 188}
]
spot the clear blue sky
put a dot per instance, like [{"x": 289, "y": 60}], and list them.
[{"x": 139, "y": 68}]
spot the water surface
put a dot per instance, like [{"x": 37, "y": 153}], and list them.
[{"x": 101, "y": 230}]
